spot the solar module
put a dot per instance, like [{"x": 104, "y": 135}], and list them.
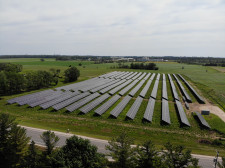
[
  {"x": 182, "y": 114},
  {"x": 121, "y": 75},
  {"x": 70, "y": 101},
  {"x": 155, "y": 89},
  {"x": 128, "y": 74},
  {"x": 149, "y": 110},
  {"x": 103, "y": 108},
  {"x": 77, "y": 86},
  {"x": 126, "y": 89},
  {"x": 104, "y": 86},
  {"x": 132, "y": 75},
  {"x": 186, "y": 105},
  {"x": 107, "y": 74},
  {"x": 200, "y": 99},
  {"x": 28, "y": 96},
  {"x": 134, "y": 108},
  {"x": 158, "y": 77},
  {"x": 116, "y": 74},
  {"x": 50, "y": 98},
  {"x": 147, "y": 76},
  {"x": 184, "y": 99},
  {"x": 113, "y": 91},
  {"x": 111, "y": 74},
  {"x": 174, "y": 91},
  {"x": 94, "y": 103},
  {"x": 112, "y": 86},
  {"x": 59, "y": 99},
  {"x": 165, "y": 111},
  {"x": 51, "y": 102},
  {"x": 95, "y": 84},
  {"x": 183, "y": 90},
  {"x": 119, "y": 108},
  {"x": 145, "y": 89},
  {"x": 203, "y": 122},
  {"x": 136, "y": 76},
  {"x": 164, "y": 90},
  {"x": 37, "y": 97},
  {"x": 164, "y": 77},
  {"x": 142, "y": 76},
  {"x": 82, "y": 102},
  {"x": 152, "y": 77},
  {"x": 136, "y": 88}
]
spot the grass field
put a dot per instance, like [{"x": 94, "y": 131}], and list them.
[{"x": 210, "y": 83}]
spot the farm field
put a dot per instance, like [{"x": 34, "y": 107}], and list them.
[{"x": 210, "y": 83}]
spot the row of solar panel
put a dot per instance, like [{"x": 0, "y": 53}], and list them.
[
  {"x": 183, "y": 90},
  {"x": 165, "y": 103},
  {"x": 200, "y": 99},
  {"x": 183, "y": 117}
]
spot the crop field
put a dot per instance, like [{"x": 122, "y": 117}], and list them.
[{"x": 208, "y": 82}]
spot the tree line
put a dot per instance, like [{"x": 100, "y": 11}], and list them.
[
  {"x": 146, "y": 66},
  {"x": 16, "y": 152},
  {"x": 13, "y": 81}
]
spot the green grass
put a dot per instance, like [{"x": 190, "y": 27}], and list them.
[{"x": 211, "y": 84}]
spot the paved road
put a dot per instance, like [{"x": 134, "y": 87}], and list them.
[{"x": 34, "y": 133}]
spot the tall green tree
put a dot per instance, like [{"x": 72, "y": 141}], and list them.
[
  {"x": 32, "y": 158},
  {"x": 121, "y": 151},
  {"x": 177, "y": 157},
  {"x": 148, "y": 156},
  {"x": 13, "y": 142},
  {"x": 71, "y": 74},
  {"x": 78, "y": 153},
  {"x": 50, "y": 140},
  {"x": 8, "y": 67},
  {"x": 3, "y": 83}
]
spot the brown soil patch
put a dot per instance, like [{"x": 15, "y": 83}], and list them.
[
  {"x": 219, "y": 69},
  {"x": 212, "y": 108}
]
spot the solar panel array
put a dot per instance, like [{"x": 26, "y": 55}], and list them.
[
  {"x": 103, "y": 108},
  {"x": 203, "y": 122},
  {"x": 200, "y": 99},
  {"x": 134, "y": 108},
  {"x": 183, "y": 117},
  {"x": 149, "y": 110},
  {"x": 147, "y": 86},
  {"x": 94, "y": 103},
  {"x": 155, "y": 88},
  {"x": 113, "y": 91},
  {"x": 174, "y": 90},
  {"x": 135, "y": 89},
  {"x": 87, "y": 95},
  {"x": 182, "y": 114},
  {"x": 119, "y": 108},
  {"x": 126, "y": 89},
  {"x": 70, "y": 101},
  {"x": 165, "y": 104},
  {"x": 183, "y": 90},
  {"x": 82, "y": 102}
]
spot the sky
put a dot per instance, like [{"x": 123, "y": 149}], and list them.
[{"x": 113, "y": 27}]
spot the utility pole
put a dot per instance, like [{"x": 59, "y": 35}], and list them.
[{"x": 216, "y": 159}]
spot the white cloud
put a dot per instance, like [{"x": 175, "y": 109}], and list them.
[{"x": 113, "y": 27}]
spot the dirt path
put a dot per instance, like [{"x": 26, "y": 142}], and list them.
[
  {"x": 221, "y": 69},
  {"x": 212, "y": 108}
]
